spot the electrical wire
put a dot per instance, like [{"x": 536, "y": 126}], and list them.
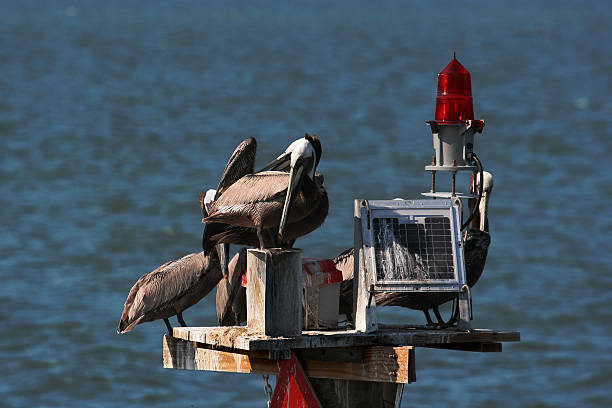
[{"x": 480, "y": 191}]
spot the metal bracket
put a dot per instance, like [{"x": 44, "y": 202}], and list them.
[
  {"x": 366, "y": 204},
  {"x": 371, "y": 295}
]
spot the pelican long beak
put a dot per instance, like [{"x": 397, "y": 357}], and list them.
[
  {"x": 223, "y": 252},
  {"x": 279, "y": 164},
  {"x": 295, "y": 176},
  {"x": 484, "y": 201},
  {"x": 484, "y": 204}
]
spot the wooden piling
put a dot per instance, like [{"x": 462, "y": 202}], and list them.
[{"x": 274, "y": 291}]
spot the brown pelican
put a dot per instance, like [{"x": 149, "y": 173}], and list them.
[
  {"x": 275, "y": 199},
  {"x": 477, "y": 239},
  {"x": 231, "y": 296},
  {"x": 301, "y": 157},
  {"x": 248, "y": 236},
  {"x": 480, "y": 220},
  {"x": 169, "y": 290},
  {"x": 345, "y": 263},
  {"x": 476, "y": 244},
  {"x": 241, "y": 162}
]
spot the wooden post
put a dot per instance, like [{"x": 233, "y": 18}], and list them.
[
  {"x": 351, "y": 394},
  {"x": 364, "y": 302},
  {"x": 274, "y": 291}
]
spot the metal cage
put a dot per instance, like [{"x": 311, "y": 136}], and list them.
[{"x": 408, "y": 246}]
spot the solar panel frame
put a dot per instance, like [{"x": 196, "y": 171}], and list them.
[{"x": 437, "y": 227}]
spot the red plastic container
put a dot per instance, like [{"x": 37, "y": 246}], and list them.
[{"x": 454, "y": 100}]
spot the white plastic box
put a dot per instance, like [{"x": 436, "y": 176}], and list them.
[{"x": 321, "y": 294}]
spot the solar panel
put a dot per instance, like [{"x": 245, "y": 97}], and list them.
[
  {"x": 419, "y": 249},
  {"x": 409, "y": 246},
  {"x": 414, "y": 245}
]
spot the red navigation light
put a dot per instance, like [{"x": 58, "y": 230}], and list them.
[{"x": 454, "y": 101}]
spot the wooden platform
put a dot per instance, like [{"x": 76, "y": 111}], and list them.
[
  {"x": 238, "y": 337},
  {"x": 385, "y": 356},
  {"x": 362, "y": 364}
]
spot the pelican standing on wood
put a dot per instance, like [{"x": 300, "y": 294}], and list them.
[
  {"x": 179, "y": 284},
  {"x": 275, "y": 199},
  {"x": 248, "y": 236},
  {"x": 230, "y": 299},
  {"x": 231, "y": 296},
  {"x": 478, "y": 238},
  {"x": 169, "y": 290}
]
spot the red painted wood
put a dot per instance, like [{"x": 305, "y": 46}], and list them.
[
  {"x": 324, "y": 267},
  {"x": 293, "y": 390}
]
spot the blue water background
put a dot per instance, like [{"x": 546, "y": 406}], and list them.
[{"x": 115, "y": 115}]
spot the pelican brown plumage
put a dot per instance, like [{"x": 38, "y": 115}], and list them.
[
  {"x": 240, "y": 163},
  {"x": 477, "y": 239},
  {"x": 476, "y": 244},
  {"x": 169, "y": 290},
  {"x": 248, "y": 236},
  {"x": 257, "y": 201},
  {"x": 302, "y": 158},
  {"x": 275, "y": 199},
  {"x": 231, "y": 296},
  {"x": 230, "y": 300}
]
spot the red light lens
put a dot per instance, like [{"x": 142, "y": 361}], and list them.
[{"x": 454, "y": 100}]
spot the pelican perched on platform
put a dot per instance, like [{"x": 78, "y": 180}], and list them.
[
  {"x": 231, "y": 296},
  {"x": 240, "y": 163},
  {"x": 480, "y": 220},
  {"x": 275, "y": 199},
  {"x": 301, "y": 157},
  {"x": 476, "y": 244},
  {"x": 169, "y": 290},
  {"x": 248, "y": 236},
  {"x": 477, "y": 239},
  {"x": 230, "y": 301}
]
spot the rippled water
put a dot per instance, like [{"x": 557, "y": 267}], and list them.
[{"x": 114, "y": 116}]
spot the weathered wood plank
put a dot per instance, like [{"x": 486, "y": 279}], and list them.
[
  {"x": 274, "y": 291},
  {"x": 230, "y": 336},
  {"x": 475, "y": 347},
  {"x": 185, "y": 355},
  {"x": 341, "y": 354},
  {"x": 380, "y": 364},
  {"x": 386, "y": 337},
  {"x": 335, "y": 393},
  {"x": 238, "y": 337}
]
